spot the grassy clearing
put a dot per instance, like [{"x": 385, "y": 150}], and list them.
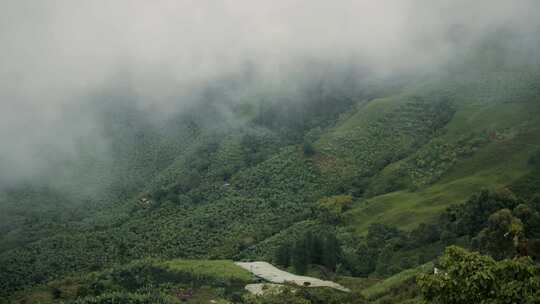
[
  {"x": 496, "y": 164},
  {"x": 220, "y": 269},
  {"x": 210, "y": 280},
  {"x": 384, "y": 286},
  {"x": 407, "y": 209},
  {"x": 357, "y": 284}
]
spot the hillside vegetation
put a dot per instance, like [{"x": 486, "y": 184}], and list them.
[{"x": 377, "y": 181}]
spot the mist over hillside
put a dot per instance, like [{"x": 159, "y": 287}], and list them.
[
  {"x": 165, "y": 56},
  {"x": 146, "y": 146}
]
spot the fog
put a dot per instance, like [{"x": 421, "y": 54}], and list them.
[{"x": 56, "y": 55}]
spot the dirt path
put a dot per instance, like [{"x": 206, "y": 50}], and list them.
[{"x": 272, "y": 274}]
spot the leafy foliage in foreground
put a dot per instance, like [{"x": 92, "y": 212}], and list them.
[{"x": 466, "y": 277}]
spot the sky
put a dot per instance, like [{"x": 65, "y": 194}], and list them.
[{"x": 56, "y": 54}]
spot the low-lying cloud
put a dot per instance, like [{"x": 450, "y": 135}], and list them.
[{"x": 56, "y": 54}]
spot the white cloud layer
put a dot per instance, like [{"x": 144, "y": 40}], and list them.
[{"x": 55, "y": 53}]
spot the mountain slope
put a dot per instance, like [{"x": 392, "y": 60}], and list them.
[{"x": 193, "y": 189}]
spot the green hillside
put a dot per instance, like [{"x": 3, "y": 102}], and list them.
[
  {"x": 374, "y": 182},
  {"x": 481, "y": 147},
  {"x": 198, "y": 280}
]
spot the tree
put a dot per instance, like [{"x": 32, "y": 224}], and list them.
[
  {"x": 283, "y": 255},
  {"x": 159, "y": 194},
  {"x": 172, "y": 197},
  {"x": 366, "y": 259},
  {"x": 308, "y": 148},
  {"x": 56, "y": 293},
  {"x": 530, "y": 219},
  {"x": 470, "y": 218},
  {"x": 317, "y": 250},
  {"x": 467, "y": 277},
  {"x": 321, "y": 248},
  {"x": 308, "y": 246},
  {"x": 378, "y": 234},
  {"x": 299, "y": 257},
  {"x": 501, "y": 236},
  {"x": 330, "y": 209},
  {"x": 331, "y": 251},
  {"x": 425, "y": 234},
  {"x": 534, "y": 202}
]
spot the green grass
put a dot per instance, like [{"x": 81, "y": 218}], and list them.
[
  {"x": 213, "y": 278},
  {"x": 379, "y": 289},
  {"x": 356, "y": 284},
  {"x": 406, "y": 209},
  {"x": 219, "y": 269},
  {"x": 495, "y": 164}
]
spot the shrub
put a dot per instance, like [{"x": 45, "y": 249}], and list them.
[{"x": 468, "y": 277}]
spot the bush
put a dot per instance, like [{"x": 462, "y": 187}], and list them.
[{"x": 468, "y": 277}]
